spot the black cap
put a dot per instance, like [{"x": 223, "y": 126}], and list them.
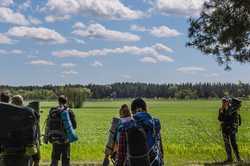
[
  {"x": 138, "y": 103},
  {"x": 62, "y": 99}
]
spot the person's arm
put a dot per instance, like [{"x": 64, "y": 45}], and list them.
[{"x": 220, "y": 115}]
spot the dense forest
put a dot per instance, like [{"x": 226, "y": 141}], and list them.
[{"x": 131, "y": 90}]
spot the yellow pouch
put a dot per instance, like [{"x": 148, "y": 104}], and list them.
[{"x": 30, "y": 150}]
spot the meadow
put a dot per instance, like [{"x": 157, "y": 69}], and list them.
[{"x": 190, "y": 130}]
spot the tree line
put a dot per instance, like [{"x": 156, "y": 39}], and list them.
[{"x": 131, "y": 90}]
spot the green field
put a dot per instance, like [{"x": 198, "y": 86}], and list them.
[{"x": 190, "y": 130}]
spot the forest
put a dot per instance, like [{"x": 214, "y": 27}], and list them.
[{"x": 132, "y": 90}]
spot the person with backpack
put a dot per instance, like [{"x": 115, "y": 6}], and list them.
[
  {"x": 112, "y": 143},
  {"x": 20, "y": 122},
  {"x": 230, "y": 121},
  {"x": 140, "y": 139},
  {"x": 58, "y": 130}
]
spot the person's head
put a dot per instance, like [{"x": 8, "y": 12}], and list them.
[
  {"x": 17, "y": 100},
  {"x": 138, "y": 105},
  {"x": 225, "y": 102},
  {"x": 4, "y": 97},
  {"x": 124, "y": 111},
  {"x": 62, "y": 100}
]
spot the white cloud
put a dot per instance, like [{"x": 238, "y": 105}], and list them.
[
  {"x": 42, "y": 62},
  {"x": 34, "y": 21},
  {"x": 100, "y": 32},
  {"x": 11, "y": 52},
  {"x": 69, "y": 72},
  {"x": 5, "y": 39},
  {"x": 68, "y": 65},
  {"x": 79, "y": 25},
  {"x": 109, "y": 9},
  {"x": 131, "y": 50},
  {"x": 16, "y": 51},
  {"x": 6, "y": 3},
  {"x": 179, "y": 7},
  {"x": 139, "y": 28},
  {"x": 191, "y": 69},
  {"x": 160, "y": 31},
  {"x": 54, "y": 18},
  {"x": 161, "y": 47},
  {"x": 148, "y": 60},
  {"x": 97, "y": 64},
  {"x": 9, "y": 16},
  {"x": 164, "y": 31},
  {"x": 41, "y": 34},
  {"x": 26, "y": 4},
  {"x": 79, "y": 41}
]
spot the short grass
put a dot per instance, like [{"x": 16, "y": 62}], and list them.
[{"x": 190, "y": 130}]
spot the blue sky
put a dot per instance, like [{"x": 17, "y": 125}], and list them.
[{"x": 103, "y": 41}]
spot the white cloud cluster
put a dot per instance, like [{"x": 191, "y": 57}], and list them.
[
  {"x": 109, "y": 9},
  {"x": 97, "y": 64},
  {"x": 179, "y": 7},
  {"x": 191, "y": 69},
  {"x": 54, "y": 18},
  {"x": 148, "y": 60},
  {"x": 5, "y": 39},
  {"x": 40, "y": 33},
  {"x": 68, "y": 65},
  {"x": 152, "y": 52},
  {"x": 7, "y": 15},
  {"x": 161, "y": 31},
  {"x": 42, "y": 62},
  {"x": 11, "y": 52},
  {"x": 34, "y": 20},
  {"x": 79, "y": 25},
  {"x": 100, "y": 32},
  {"x": 6, "y": 2}
]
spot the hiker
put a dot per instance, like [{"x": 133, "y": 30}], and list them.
[
  {"x": 18, "y": 100},
  {"x": 140, "y": 139},
  {"x": 36, "y": 157},
  {"x": 56, "y": 132},
  {"x": 112, "y": 144},
  {"x": 4, "y": 97},
  {"x": 230, "y": 120},
  {"x": 17, "y": 146}
]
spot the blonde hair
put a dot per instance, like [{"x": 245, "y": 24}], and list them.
[{"x": 17, "y": 100}]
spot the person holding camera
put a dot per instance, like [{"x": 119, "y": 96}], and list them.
[{"x": 230, "y": 121}]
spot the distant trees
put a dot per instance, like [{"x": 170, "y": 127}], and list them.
[
  {"x": 77, "y": 94},
  {"x": 223, "y": 30}
]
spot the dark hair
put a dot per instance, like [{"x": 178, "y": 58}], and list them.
[
  {"x": 124, "y": 111},
  {"x": 138, "y": 105},
  {"x": 62, "y": 99},
  {"x": 4, "y": 97}
]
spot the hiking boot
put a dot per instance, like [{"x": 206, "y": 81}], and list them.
[
  {"x": 239, "y": 160},
  {"x": 229, "y": 160}
]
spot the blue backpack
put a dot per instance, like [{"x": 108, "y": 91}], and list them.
[{"x": 143, "y": 141}]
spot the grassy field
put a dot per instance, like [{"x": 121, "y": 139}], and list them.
[{"x": 190, "y": 130}]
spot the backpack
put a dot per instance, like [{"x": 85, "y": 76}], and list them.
[
  {"x": 54, "y": 132},
  {"x": 60, "y": 126},
  {"x": 144, "y": 142},
  {"x": 137, "y": 147},
  {"x": 17, "y": 126}
]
